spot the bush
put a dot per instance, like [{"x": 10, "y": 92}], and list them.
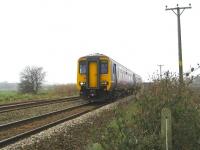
[{"x": 139, "y": 125}]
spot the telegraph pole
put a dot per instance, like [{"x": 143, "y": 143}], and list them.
[
  {"x": 160, "y": 66},
  {"x": 178, "y": 11}
]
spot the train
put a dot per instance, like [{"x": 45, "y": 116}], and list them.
[{"x": 99, "y": 76}]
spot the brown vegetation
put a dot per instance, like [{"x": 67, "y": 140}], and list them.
[{"x": 64, "y": 90}]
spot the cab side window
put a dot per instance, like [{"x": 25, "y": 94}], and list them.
[{"x": 114, "y": 68}]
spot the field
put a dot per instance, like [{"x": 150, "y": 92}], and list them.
[{"x": 52, "y": 92}]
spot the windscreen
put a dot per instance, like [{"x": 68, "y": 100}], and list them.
[{"x": 104, "y": 67}]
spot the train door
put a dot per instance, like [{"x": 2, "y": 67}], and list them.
[{"x": 93, "y": 74}]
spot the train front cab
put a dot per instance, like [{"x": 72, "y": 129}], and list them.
[{"x": 94, "y": 76}]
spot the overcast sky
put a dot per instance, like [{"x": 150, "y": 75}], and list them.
[{"x": 53, "y": 34}]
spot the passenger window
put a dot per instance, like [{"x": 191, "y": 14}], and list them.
[
  {"x": 83, "y": 67},
  {"x": 114, "y": 68},
  {"x": 104, "y": 67}
]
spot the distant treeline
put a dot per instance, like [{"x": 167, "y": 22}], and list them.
[{"x": 5, "y": 86}]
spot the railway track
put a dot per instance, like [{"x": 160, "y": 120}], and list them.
[
  {"x": 29, "y": 104},
  {"x": 11, "y": 132}
]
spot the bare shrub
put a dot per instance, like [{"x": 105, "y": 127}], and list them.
[
  {"x": 31, "y": 79},
  {"x": 65, "y": 90}
]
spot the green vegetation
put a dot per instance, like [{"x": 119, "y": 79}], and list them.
[
  {"x": 54, "y": 91},
  {"x": 139, "y": 125}
]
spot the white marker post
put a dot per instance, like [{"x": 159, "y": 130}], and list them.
[{"x": 166, "y": 129}]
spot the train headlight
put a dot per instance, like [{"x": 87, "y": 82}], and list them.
[
  {"x": 82, "y": 83},
  {"x": 104, "y": 83}
]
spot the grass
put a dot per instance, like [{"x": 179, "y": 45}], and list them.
[
  {"x": 14, "y": 96},
  {"x": 56, "y": 91},
  {"x": 8, "y": 96}
]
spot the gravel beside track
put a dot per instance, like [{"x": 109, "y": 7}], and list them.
[
  {"x": 70, "y": 135},
  {"x": 35, "y": 123}
]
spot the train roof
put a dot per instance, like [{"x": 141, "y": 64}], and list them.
[
  {"x": 93, "y": 55},
  {"x": 98, "y": 54}
]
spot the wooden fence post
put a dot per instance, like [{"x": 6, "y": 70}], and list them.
[{"x": 166, "y": 129}]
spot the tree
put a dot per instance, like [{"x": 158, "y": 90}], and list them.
[{"x": 31, "y": 79}]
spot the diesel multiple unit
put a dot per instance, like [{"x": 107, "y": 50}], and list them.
[{"x": 100, "y": 76}]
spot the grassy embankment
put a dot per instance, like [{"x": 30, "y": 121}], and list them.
[
  {"x": 52, "y": 92},
  {"x": 138, "y": 126}
]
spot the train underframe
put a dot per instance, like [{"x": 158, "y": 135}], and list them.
[{"x": 103, "y": 95}]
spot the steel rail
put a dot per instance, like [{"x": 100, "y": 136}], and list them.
[
  {"x": 13, "y": 107},
  {"x": 17, "y": 137},
  {"x": 32, "y": 101},
  {"x": 23, "y": 121},
  {"x": 23, "y": 102}
]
